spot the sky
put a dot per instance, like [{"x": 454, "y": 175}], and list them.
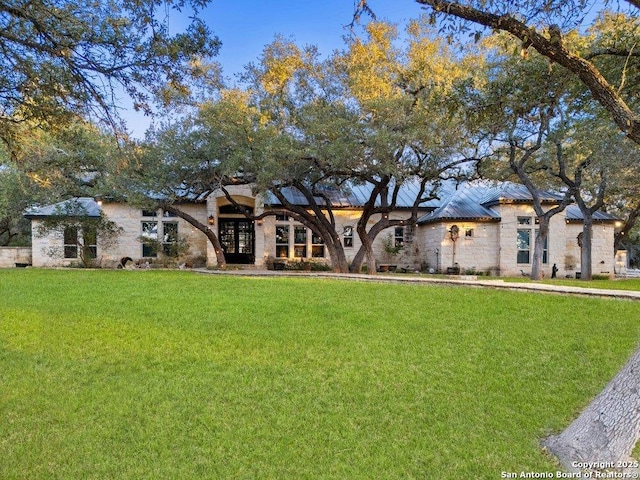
[{"x": 245, "y": 26}]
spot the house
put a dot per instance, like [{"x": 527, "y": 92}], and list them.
[
  {"x": 496, "y": 227},
  {"x": 472, "y": 228}
]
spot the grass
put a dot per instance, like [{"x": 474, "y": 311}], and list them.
[
  {"x": 615, "y": 284},
  {"x": 116, "y": 374}
]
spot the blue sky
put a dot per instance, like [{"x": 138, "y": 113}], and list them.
[{"x": 246, "y": 26}]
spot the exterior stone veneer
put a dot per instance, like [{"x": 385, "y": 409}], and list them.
[{"x": 483, "y": 246}]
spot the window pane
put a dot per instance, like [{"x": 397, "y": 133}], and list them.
[
  {"x": 170, "y": 231},
  {"x": 316, "y": 239},
  {"x": 347, "y": 236},
  {"x": 149, "y": 250},
  {"x": 524, "y": 237},
  {"x": 399, "y": 236},
  {"x": 523, "y": 256},
  {"x": 524, "y": 246},
  {"x": 90, "y": 252},
  {"x": 300, "y": 235},
  {"x": 150, "y": 230},
  {"x": 90, "y": 240},
  {"x": 70, "y": 242},
  {"x": 282, "y": 234},
  {"x": 70, "y": 235}
]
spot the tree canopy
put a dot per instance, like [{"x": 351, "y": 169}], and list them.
[
  {"x": 64, "y": 58},
  {"x": 543, "y": 26}
]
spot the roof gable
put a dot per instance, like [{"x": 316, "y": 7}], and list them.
[{"x": 74, "y": 207}]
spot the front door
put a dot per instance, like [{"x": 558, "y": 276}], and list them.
[{"x": 237, "y": 238}]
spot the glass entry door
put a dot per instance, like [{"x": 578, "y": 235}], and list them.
[{"x": 237, "y": 238}]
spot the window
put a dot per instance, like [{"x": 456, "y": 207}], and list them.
[
  {"x": 524, "y": 245},
  {"x": 317, "y": 246},
  {"x": 347, "y": 236},
  {"x": 149, "y": 213},
  {"x": 468, "y": 232},
  {"x": 170, "y": 239},
  {"x": 282, "y": 241},
  {"x": 398, "y": 237},
  {"x": 168, "y": 214},
  {"x": 524, "y": 240},
  {"x": 281, "y": 217},
  {"x": 70, "y": 242},
  {"x": 300, "y": 242},
  {"x": 149, "y": 239},
  {"x": 90, "y": 243}
]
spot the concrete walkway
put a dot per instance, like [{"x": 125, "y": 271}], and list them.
[{"x": 463, "y": 280}]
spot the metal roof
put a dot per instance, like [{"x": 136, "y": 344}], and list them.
[
  {"x": 74, "y": 207},
  {"x": 575, "y": 215},
  {"x": 352, "y": 195},
  {"x": 508, "y": 192},
  {"x": 463, "y": 203}
]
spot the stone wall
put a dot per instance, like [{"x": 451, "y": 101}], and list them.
[
  {"x": 130, "y": 219},
  {"x": 476, "y": 248},
  {"x": 15, "y": 256},
  {"x": 48, "y": 248},
  {"x": 602, "y": 255}
]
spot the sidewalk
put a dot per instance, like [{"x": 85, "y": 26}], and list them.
[{"x": 428, "y": 279}]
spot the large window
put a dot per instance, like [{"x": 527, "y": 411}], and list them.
[
  {"x": 170, "y": 238},
  {"x": 90, "y": 243},
  {"x": 149, "y": 239},
  {"x": 525, "y": 241},
  {"x": 282, "y": 241},
  {"x": 300, "y": 242},
  {"x": 70, "y": 242},
  {"x": 524, "y": 245}
]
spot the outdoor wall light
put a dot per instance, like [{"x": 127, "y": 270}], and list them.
[{"x": 211, "y": 220}]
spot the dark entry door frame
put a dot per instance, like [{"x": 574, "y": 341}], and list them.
[{"x": 237, "y": 237}]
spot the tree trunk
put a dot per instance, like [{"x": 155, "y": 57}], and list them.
[
  {"x": 364, "y": 253},
  {"x": 211, "y": 236},
  {"x": 339, "y": 262},
  {"x": 538, "y": 249},
  {"x": 608, "y": 429},
  {"x": 586, "y": 270}
]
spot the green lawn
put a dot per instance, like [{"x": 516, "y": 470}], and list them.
[
  {"x": 132, "y": 374},
  {"x": 617, "y": 284}
]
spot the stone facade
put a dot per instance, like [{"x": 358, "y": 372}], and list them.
[
  {"x": 15, "y": 256},
  {"x": 499, "y": 241}
]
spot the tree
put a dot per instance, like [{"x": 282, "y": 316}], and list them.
[
  {"x": 372, "y": 116},
  {"x": 68, "y": 58},
  {"x": 14, "y": 228},
  {"x": 48, "y": 164},
  {"x": 544, "y": 34},
  {"x": 377, "y": 115},
  {"x": 518, "y": 112},
  {"x": 599, "y": 438}
]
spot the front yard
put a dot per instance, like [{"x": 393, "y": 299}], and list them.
[{"x": 156, "y": 374}]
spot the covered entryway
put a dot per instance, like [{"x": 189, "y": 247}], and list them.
[{"x": 237, "y": 238}]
